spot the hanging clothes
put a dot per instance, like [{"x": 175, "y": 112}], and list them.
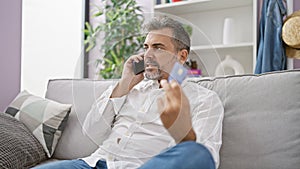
[{"x": 271, "y": 54}]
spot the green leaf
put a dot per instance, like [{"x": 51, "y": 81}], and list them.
[
  {"x": 99, "y": 13},
  {"x": 114, "y": 56},
  {"x": 86, "y": 32},
  {"x": 89, "y": 27},
  {"x": 90, "y": 46},
  {"x": 108, "y": 61}
]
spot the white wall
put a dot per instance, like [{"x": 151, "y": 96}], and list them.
[{"x": 51, "y": 42}]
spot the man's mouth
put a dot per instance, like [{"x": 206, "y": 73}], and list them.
[
  {"x": 150, "y": 66},
  {"x": 152, "y": 70}
]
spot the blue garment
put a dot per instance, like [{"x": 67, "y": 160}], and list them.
[
  {"x": 71, "y": 164},
  {"x": 271, "y": 54},
  {"x": 185, "y": 155}
]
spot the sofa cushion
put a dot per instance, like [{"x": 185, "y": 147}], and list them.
[
  {"x": 18, "y": 146},
  {"x": 46, "y": 119},
  {"x": 81, "y": 93},
  {"x": 261, "y": 127}
]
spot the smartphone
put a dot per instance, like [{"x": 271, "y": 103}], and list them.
[
  {"x": 178, "y": 73},
  {"x": 138, "y": 67}
]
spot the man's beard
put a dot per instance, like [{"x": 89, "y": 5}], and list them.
[{"x": 152, "y": 70}]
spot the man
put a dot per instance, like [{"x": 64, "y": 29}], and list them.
[{"x": 151, "y": 123}]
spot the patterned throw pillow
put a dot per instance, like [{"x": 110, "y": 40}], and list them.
[{"x": 46, "y": 119}]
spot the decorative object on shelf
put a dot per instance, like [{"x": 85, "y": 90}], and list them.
[
  {"x": 193, "y": 71},
  {"x": 229, "y": 32},
  {"x": 291, "y": 36},
  {"x": 158, "y": 2},
  {"x": 229, "y": 66}
]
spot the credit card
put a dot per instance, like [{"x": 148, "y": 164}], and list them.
[{"x": 178, "y": 73}]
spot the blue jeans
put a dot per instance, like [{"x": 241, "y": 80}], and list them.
[
  {"x": 71, "y": 164},
  {"x": 186, "y": 155}
]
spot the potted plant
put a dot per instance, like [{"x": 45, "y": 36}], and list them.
[{"x": 122, "y": 29}]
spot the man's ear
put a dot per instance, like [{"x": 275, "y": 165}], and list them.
[{"x": 182, "y": 56}]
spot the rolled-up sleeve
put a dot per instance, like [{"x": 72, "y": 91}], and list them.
[{"x": 98, "y": 122}]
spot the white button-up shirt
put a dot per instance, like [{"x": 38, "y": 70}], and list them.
[{"x": 134, "y": 129}]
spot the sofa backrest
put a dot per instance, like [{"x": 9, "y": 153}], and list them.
[
  {"x": 261, "y": 127},
  {"x": 81, "y": 93}
]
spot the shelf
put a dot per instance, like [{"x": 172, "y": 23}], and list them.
[
  {"x": 199, "y": 5},
  {"x": 221, "y": 46},
  {"x": 207, "y": 17},
  {"x": 176, "y": 4}
]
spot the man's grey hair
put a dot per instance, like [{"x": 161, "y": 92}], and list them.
[{"x": 180, "y": 37}]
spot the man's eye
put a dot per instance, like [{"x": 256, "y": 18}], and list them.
[{"x": 159, "y": 48}]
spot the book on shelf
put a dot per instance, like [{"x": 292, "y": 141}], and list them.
[
  {"x": 194, "y": 73},
  {"x": 158, "y": 2}
]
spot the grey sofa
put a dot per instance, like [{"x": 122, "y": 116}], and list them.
[{"x": 261, "y": 128}]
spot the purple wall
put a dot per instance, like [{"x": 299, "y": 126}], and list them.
[{"x": 10, "y": 50}]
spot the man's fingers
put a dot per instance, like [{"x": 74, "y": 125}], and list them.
[
  {"x": 172, "y": 89},
  {"x": 136, "y": 58},
  {"x": 174, "y": 85},
  {"x": 140, "y": 56},
  {"x": 165, "y": 85},
  {"x": 161, "y": 104}
]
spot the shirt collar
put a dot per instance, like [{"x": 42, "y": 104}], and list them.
[
  {"x": 153, "y": 84},
  {"x": 146, "y": 84}
]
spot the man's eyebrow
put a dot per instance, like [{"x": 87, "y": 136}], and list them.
[
  {"x": 158, "y": 44},
  {"x": 154, "y": 45}
]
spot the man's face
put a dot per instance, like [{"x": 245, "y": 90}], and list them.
[{"x": 160, "y": 54}]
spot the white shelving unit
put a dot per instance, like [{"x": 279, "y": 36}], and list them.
[{"x": 207, "y": 18}]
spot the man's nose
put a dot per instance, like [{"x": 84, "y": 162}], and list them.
[{"x": 149, "y": 53}]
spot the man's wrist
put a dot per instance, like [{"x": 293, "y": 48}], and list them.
[
  {"x": 191, "y": 136},
  {"x": 120, "y": 90}
]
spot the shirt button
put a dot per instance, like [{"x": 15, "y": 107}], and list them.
[
  {"x": 127, "y": 133},
  {"x": 110, "y": 158},
  {"x": 142, "y": 110}
]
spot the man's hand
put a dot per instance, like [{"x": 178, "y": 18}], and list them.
[
  {"x": 176, "y": 112},
  {"x": 128, "y": 79}
]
